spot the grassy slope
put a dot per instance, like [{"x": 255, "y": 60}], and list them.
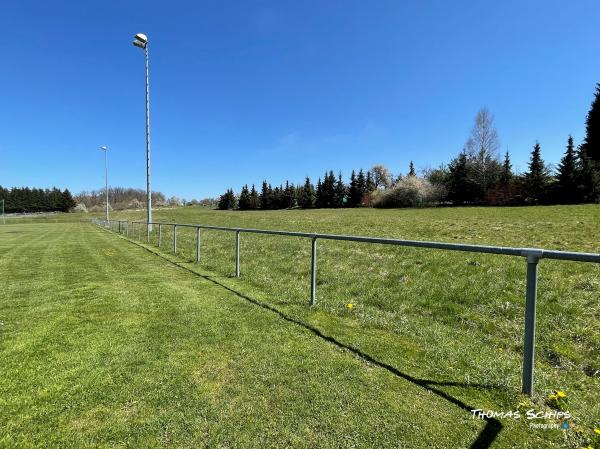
[
  {"x": 104, "y": 344},
  {"x": 449, "y": 318}
]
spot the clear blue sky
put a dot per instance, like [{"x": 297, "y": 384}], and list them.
[{"x": 242, "y": 91}]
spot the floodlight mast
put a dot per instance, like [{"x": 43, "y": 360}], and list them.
[
  {"x": 141, "y": 41},
  {"x": 105, "y": 149}
]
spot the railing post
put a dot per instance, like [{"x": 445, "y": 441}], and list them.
[
  {"x": 159, "y": 233},
  {"x": 140, "y": 231},
  {"x": 197, "y": 245},
  {"x": 533, "y": 258},
  {"x": 313, "y": 271},
  {"x": 148, "y": 233},
  {"x": 174, "y": 239},
  {"x": 237, "y": 254}
]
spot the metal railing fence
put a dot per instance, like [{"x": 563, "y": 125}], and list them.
[{"x": 531, "y": 255}]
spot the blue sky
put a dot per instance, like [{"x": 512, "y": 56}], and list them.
[{"x": 247, "y": 90}]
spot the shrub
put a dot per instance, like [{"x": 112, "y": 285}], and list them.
[
  {"x": 80, "y": 208},
  {"x": 410, "y": 191},
  {"x": 135, "y": 204},
  {"x": 100, "y": 208}
]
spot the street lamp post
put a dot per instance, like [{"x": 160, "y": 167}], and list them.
[
  {"x": 105, "y": 149},
  {"x": 141, "y": 41}
]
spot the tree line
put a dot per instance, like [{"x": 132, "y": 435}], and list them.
[
  {"x": 476, "y": 176},
  {"x": 120, "y": 198},
  {"x": 25, "y": 200},
  {"x": 331, "y": 191}
]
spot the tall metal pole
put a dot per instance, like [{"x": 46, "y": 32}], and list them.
[
  {"x": 105, "y": 149},
  {"x": 148, "y": 190},
  {"x": 106, "y": 179}
]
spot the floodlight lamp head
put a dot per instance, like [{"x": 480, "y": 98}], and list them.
[{"x": 141, "y": 38}]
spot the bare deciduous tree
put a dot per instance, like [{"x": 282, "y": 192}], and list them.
[{"x": 482, "y": 150}]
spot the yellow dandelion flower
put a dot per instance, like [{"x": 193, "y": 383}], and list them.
[
  {"x": 349, "y": 306},
  {"x": 561, "y": 394},
  {"x": 597, "y": 431},
  {"x": 552, "y": 396}
]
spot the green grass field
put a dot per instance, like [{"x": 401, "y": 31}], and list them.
[{"x": 108, "y": 342}]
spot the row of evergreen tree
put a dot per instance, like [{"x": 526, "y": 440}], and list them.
[
  {"x": 475, "y": 176},
  {"x": 576, "y": 180},
  {"x": 330, "y": 192},
  {"x": 25, "y": 199}
]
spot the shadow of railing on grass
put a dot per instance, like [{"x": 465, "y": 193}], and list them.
[{"x": 484, "y": 439}]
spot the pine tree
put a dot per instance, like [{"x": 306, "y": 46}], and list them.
[
  {"x": 339, "y": 192},
  {"x": 370, "y": 183},
  {"x": 462, "y": 188},
  {"x": 506, "y": 174},
  {"x": 328, "y": 189},
  {"x": 56, "y": 199},
  {"x": 538, "y": 176},
  {"x": 319, "y": 201},
  {"x": 354, "y": 192},
  {"x": 411, "y": 170},
  {"x": 307, "y": 198},
  {"x": 68, "y": 202},
  {"x": 567, "y": 175},
  {"x": 244, "y": 200},
  {"x": 288, "y": 195},
  {"x": 265, "y": 197},
  {"x": 227, "y": 200},
  {"x": 254, "y": 199},
  {"x": 275, "y": 197},
  {"x": 588, "y": 177},
  {"x": 591, "y": 142},
  {"x": 589, "y": 154}
]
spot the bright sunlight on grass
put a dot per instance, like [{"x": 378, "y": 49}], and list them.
[{"x": 104, "y": 342}]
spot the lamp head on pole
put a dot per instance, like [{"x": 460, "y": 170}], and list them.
[
  {"x": 140, "y": 40},
  {"x": 103, "y": 148}
]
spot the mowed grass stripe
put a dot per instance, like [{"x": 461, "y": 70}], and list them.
[{"x": 118, "y": 348}]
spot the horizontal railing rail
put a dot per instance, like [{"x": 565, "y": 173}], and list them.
[{"x": 532, "y": 256}]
